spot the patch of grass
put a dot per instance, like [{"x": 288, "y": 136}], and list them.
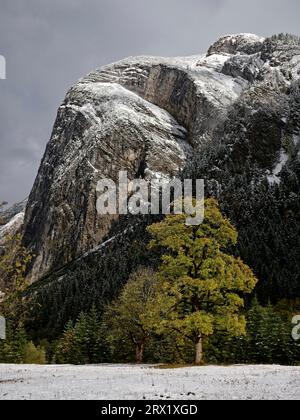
[{"x": 174, "y": 366}]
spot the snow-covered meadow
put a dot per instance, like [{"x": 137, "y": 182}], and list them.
[{"x": 109, "y": 382}]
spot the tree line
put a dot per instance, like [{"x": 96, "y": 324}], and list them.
[{"x": 192, "y": 308}]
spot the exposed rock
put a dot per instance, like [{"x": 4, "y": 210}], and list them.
[
  {"x": 145, "y": 115},
  {"x": 100, "y": 130},
  {"x": 11, "y": 228},
  {"x": 7, "y": 214},
  {"x": 235, "y": 44},
  {"x": 245, "y": 66},
  {"x": 193, "y": 90},
  {"x": 11, "y": 221}
]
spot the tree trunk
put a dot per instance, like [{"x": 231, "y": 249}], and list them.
[
  {"x": 139, "y": 352},
  {"x": 199, "y": 351}
]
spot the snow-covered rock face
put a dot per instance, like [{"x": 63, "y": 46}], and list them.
[
  {"x": 11, "y": 221},
  {"x": 101, "y": 129},
  {"x": 194, "y": 90},
  {"x": 145, "y": 115},
  {"x": 11, "y": 228},
  {"x": 7, "y": 214},
  {"x": 237, "y": 44}
]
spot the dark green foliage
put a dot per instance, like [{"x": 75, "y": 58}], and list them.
[
  {"x": 269, "y": 337},
  {"x": 17, "y": 349},
  {"x": 235, "y": 165},
  {"x": 11, "y": 349},
  {"x": 168, "y": 349},
  {"x": 267, "y": 215},
  {"x": 83, "y": 343},
  {"x": 268, "y": 340},
  {"x": 87, "y": 342},
  {"x": 94, "y": 280},
  {"x": 289, "y": 44}
]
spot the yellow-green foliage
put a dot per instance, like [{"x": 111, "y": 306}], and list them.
[
  {"x": 14, "y": 262},
  {"x": 34, "y": 355},
  {"x": 16, "y": 349},
  {"x": 137, "y": 312},
  {"x": 203, "y": 284},
  {"x": 13, "y": 266}
]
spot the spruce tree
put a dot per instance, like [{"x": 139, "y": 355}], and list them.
[
  {"x": 82, "y": 343},
  {"x": 269, "y": 337},
  {"x": 12, "y": 348}
]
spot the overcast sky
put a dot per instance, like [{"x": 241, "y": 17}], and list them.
[{"x": 49, "y": 44}]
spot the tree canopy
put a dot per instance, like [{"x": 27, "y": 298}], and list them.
[{"x": 203, "y": 282}]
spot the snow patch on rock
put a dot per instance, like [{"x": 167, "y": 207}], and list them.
[
  {"x": 237, "y": 43},
  {"x": 215, "y": 62},
  {"x": 12, "y": 226},
  {"x": 274, "y": 177}
]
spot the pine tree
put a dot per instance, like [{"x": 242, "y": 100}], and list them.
[
  {"x": 64, "y": 348},
  {"x": 82, "y": 343},
  {"x": 96, "y": 341},
  {"x": 269, "y": 337},
  {"x": 12, "y": 348}
]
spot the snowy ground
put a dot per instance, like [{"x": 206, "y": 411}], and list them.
[{"x": 131, "y": 382}]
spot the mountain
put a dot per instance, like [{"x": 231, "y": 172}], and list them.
[
  {"x": 143, "y": 115},
  {"x": 230, "y": 116}
]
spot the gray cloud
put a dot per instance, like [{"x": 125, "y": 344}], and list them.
[{"x": 48, "y": 44}]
